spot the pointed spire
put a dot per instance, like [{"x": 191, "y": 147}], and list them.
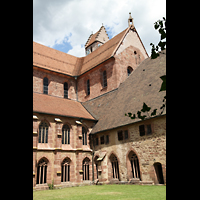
[{"x": 130, "y": 20}]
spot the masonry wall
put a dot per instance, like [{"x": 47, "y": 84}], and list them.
[
  {"x": 149, "y": 149},
  {"x": 56, "y": 83},
  {"x": 55, "y": 152}
]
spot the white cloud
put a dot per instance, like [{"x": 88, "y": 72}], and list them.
[{"x": 54, "y": 22}]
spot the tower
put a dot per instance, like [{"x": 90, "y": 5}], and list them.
[{"x": 130, "y": 20}]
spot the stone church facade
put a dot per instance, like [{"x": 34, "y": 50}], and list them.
[{"x": 80, "y": 131}]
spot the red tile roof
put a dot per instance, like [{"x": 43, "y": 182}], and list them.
[
  {"x": 59, "y": 106},
  {"x": 54, "y": 60}
]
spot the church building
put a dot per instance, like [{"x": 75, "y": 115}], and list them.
[{"x": 80, "y": 131}]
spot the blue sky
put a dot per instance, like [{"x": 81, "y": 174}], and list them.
[{"x": 65, "y": 25}]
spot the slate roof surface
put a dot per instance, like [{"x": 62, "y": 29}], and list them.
[
  {"x": 59, "y": 106},
  {"x": 142, "y": 85}
]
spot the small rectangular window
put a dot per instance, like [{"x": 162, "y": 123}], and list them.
[
  {"x": 88, "y": 87},
  {"x": 107, "y": 139},
  {"x": 126, "y": 134},
  {"x": 149, "y": 131},
  {"x": 142, "y": 130},
  {"x": 97, "y": 141},
  {"x": 102, "y": 139},
  {"x": 120, "y": 135}
]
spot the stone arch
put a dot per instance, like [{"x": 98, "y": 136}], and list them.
[
  {"x": 42, "y": 172},
  {"x": 114, "y": 167},
  {"x": 133, "y": 166},
  {"x": 86, "y": 168},
  {"x": 159, "y": 172}
]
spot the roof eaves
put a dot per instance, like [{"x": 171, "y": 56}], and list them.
[
  {"x": 136, "y": 121},
  {"x": 35, "y": 111}
]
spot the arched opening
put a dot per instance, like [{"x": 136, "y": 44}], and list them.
[
  {"x": 65, "y": 134},
  {"x": 84, "y": 135},
  {"x": 96, "y": 172},
  {"x": 129, "y": 70},
  {"x": 86, "y": 164},
  {"x": 43, "y": 132},
  {"x": 134, "y": 163},
  {"x": 159, "y": 172},
  {"x": 65, "y": 166},
  {"x": 42, "y": 171},
  {"x": 115, "y": 166}
]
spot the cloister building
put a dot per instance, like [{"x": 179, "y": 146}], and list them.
[{"x": 80, "y": 131}]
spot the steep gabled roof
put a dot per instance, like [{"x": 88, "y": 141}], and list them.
[
  {"x": 95, "y": 37},
  {"x": 103, "y": 53},
  {"x": 47, "y": 104},
  {"x": 142, "y": 85},
  {"x": 61, "y": 62}
]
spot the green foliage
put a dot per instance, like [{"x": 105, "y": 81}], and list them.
[
  {"x": 51, "y": 186},
  {"x": 161, "y": 26}
]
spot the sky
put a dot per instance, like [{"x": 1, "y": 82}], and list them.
[{"x": 66, "y": 25}]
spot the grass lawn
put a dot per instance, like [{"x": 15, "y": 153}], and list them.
[{"x": 105, "y": 192}]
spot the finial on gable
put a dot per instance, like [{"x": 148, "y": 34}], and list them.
[{"x": 130, "y": 20}]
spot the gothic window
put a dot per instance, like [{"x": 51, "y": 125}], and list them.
[
  {"x": 43, "y": 132},
  {"x": 104, "y": 78},
  {"x": 88, "y": 87},
  {"x": 129, "y": 70},
  {"x": 45, "y": 85},
  {"x": 115, "y": 166},
  {"x": 84, "y": 135},
  {"x": 42, "y": 172},
  {"x": 65, "y": 134},
  {"x": 86, "y": 162},
  {"x": 65, "y": 176},
  {"x": 66, "y": 90},
  {"x": 134, "y": 165}
]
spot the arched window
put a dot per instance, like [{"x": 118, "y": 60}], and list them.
[
  {"x": 45, "y": 85},
  {"x": 65, "y": 176},
  {"x": 66, "y": 90},
  {"x": 65, "y": 134},
  {"x": 159, "y": 172},
  {"x": 42, "y": 171},
  {"x": 115, "y": 166},
  {"x": 129, "y": 70},
  {"x": 84, "y": 135},
  {"x": 88, "y": 87},
  {"x": 86, "y": 162},
  {"x": 134, "y": 165},
  {"x": 43, "y": 132},
  {"x": 104, "y": 78}
]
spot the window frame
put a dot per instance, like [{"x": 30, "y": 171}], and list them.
[
  {"x": 65, "y": 87},
  {"x": 45, "y": 85}
]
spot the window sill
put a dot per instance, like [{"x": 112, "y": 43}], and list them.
[{"x": 104, "y": 88}]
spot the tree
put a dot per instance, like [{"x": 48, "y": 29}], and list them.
[{"x": 161, "y": 26}]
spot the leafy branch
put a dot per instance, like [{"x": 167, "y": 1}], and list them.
[{"x": 161, "y": 26}]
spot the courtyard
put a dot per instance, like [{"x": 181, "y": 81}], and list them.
[{"x": 105, "y": 192}]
